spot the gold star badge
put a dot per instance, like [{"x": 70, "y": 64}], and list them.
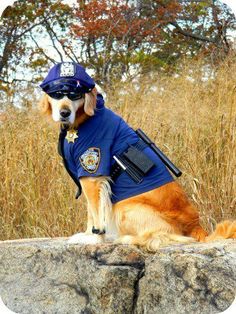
[{"x": 71, "y": 136}]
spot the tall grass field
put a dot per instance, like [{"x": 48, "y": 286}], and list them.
[{"x": 190, "y": 117}]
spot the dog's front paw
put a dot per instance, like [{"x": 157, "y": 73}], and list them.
[{"x": 83, "y": 238}]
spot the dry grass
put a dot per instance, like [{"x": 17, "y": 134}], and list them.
[{"x": 194, "y": 122}]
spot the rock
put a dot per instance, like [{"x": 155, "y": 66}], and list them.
[
  {"x": 200, "y": 278},
  {"x": 52, "y": 276}
]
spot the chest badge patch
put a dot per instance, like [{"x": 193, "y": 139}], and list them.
[
  {"x": 71, "y": 136},
  {"x": 90, "y": 159}
]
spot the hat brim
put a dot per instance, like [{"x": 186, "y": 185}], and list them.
[{"x": 66, "y": 85}]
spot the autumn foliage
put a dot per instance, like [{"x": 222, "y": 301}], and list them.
[
  {"x": 120, "y": 36},
  {"x": 100, "y": 18},
  {"x": 118, "y": 39}
]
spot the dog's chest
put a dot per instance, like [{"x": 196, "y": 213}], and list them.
[{"x": 92, "y": 153}]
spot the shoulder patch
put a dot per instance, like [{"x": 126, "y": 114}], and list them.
[{"x": 90, "y": 159}]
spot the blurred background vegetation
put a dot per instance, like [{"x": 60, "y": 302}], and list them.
[{"x": 167, "y": 67}]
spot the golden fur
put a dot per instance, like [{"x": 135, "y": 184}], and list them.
[{"x": 152, "y": 219}]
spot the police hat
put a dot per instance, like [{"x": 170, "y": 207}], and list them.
[{"x": 67, "y": 77}]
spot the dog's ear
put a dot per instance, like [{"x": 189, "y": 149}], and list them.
[
  {"x": 44, "y": 105},
  {"x": 90, "y": 102}
]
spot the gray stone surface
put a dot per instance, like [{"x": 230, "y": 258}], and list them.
[
  {"x": 192, "y": 279},
  {"x": 51, "y": 276}
]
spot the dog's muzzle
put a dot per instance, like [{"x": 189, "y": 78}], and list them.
[{"x": 65, "y": 114}]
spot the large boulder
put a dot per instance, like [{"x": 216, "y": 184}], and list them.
[{"x": 52, "y": 276}]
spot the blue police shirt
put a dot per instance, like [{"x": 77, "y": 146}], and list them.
[{"x": 100, "y": 138}]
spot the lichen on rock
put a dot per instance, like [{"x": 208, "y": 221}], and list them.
[{"x": 51, "y": 276}]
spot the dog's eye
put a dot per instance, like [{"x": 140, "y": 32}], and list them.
[
  {"x": 75, "y": 96},
  {"x": 71, "y": 95},
  {"x": 56, "y": 95}
]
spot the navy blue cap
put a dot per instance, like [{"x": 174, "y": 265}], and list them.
[{"x": 67, "y": 77}]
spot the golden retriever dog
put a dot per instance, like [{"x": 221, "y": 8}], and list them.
[{"x": 156, "y": 217}]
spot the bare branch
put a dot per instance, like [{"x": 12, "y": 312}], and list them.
[
  {"x": 48, "y": 28},
  {"x": 16, "y": 37},
  {"x": 64, "y": 48},
  {"x": 41, "y": 49},
  {"x": 73, "y": 54},
  {"x": 191, "y": 35}
]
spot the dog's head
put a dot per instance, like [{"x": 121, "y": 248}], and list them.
[
  {"x": 66, "y": 110},
  {"x": 69, "y": 93}
]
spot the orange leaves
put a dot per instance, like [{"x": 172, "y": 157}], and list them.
[
  {"x": 118, "y": 20},
  {"x": 100, "y": 18},
  {"x": 91, "y": 18}
]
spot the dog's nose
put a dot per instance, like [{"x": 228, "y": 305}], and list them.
[{"x": 65, "y": 113}]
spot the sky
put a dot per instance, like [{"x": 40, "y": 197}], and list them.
[{"x": 230, "y": 3}]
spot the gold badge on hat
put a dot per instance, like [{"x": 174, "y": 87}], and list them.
[{"x": 71, "y": 136}]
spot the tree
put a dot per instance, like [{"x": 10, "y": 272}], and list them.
[
  {"x": 120, "y": 36},
  {"x": 114, "y": 38},
  {"x": 113, "y": 32},
  {"x": 23, "y": 27}
]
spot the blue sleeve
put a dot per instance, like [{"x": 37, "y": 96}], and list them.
[{"x": 94, "y": 161}]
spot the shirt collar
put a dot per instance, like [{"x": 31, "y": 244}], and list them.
[{"x": 100, "y": 101}]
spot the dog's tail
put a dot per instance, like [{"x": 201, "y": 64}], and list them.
[{"x": 224, "y": 230}]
